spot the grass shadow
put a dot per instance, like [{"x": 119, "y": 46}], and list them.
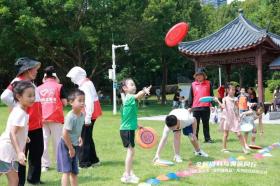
[
  {"x": 201, "y": 159},
  {"x": 112, "y": 163},
  {"x": 88, "y": 180},
  {"x": 229, "y": 140}
]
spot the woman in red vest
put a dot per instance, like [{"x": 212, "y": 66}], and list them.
[
  {"x": 87, "y": 153},
  {"x": 201, "y": 87},
  {"x": 53, "y": 98},
  {"x": 27, "y": 70}
]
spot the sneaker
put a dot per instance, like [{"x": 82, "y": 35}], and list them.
[
  {"x": 129, "y": 179},
  {"x": 209, "y": 141},
  {"x": 96, "y": 164},
  {"x": 125, "y": 179},
  {"x": 201, "y": 153},
  {"x": 178, "y": 159},
  {"x": 134, "y": 177},
  {"x": 44, "y": 169}
]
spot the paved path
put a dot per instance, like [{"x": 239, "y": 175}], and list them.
[{"x": 162, "y": 118}]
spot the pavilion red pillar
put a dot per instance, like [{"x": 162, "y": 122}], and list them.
[{"x": 259, "y": 74}]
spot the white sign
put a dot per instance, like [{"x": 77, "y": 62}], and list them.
[{"x": 110, "y": 71}]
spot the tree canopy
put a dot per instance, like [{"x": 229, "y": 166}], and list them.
[{"x": 66, "y": 33}]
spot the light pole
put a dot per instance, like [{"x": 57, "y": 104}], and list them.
[{"x": 114, "y": 74}]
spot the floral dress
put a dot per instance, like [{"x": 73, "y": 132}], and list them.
[{"x": 230, "y": 115}]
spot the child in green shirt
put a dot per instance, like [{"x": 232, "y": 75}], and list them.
[{"x": 129, "y": 125}]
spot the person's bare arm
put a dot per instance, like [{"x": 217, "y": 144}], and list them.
[
  {"x": 142, "y": 93},
  {"x": 20, "y": 153},
  {"x": 67, "y": 140},
  {"x": 222, "y": 105},
  {"x": 261, "y": 125},
  {"x": 162, "y": 142},
  {"x": 194, "y": 127},
  {"x": 80, "y": 141}
]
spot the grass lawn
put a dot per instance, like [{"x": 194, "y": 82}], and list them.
[{"x": 112, "y": 154}]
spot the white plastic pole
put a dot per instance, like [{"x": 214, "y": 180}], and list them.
[{"x": 114, "y": 81}]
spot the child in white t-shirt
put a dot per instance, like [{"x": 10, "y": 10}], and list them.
[
  {"x": 179, "y": 120},
  {"x": 14, "y": 138},
  {"x": 249, "y": 117}
]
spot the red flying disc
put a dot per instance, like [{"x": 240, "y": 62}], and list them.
[
  {"x": 176, "y": 34},
  {"x": 255, "y": 147},
  {"x": 146, "y": 137}
]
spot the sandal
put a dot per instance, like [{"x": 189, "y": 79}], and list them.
[{"x": 225, "y": 151}]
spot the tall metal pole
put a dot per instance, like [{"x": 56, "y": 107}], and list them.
[
  {"x": 114, "y": 75},
  {"x": 114, "y": 81}
]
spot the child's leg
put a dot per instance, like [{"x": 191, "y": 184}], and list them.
[
  {"x": 12, "y": 178},
  {"x": 129, "y": 160},
  {"x": 64, "y": 179},
  {"x": 194, "y": 142},
  {"x": 197, "y": 116},
  {"x": 192, "y": 136},
  {"x": 73, "y": 179},
  {"x": 241, "y": 139},
  {"x": 246, "y": 137},
  {"x": 190, "y": 132},
  {"x": 254, "y": 133},
  {"x": 177, "y": 142},
  {"x": 225, "y": 137},
  {"x": 46, "y": 136}
]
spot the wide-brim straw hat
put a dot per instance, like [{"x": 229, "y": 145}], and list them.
[{"x": 24, "y": 63}]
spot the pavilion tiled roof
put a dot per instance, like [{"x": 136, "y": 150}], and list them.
[{"x": 240, "y": 34}]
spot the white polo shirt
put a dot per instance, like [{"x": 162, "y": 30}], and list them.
[{"x": 185, "y": 119}]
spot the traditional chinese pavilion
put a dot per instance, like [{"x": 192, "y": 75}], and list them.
[{"x": 237, "y": 43}]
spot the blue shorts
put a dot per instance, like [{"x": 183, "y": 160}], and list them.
[
  {"x": 6, "y": 167},
  {"x": 188, "y": 130},
  {"x": 65, "y": 164}
]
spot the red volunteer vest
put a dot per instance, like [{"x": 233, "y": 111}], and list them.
[
  {"x": 200, "y": 90},
  {"x": 97, "y": 110},
  {"x": 35, "y": 111},
  {"x": 52, "y": 106},
  {"x": 96, "y": 105}
]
